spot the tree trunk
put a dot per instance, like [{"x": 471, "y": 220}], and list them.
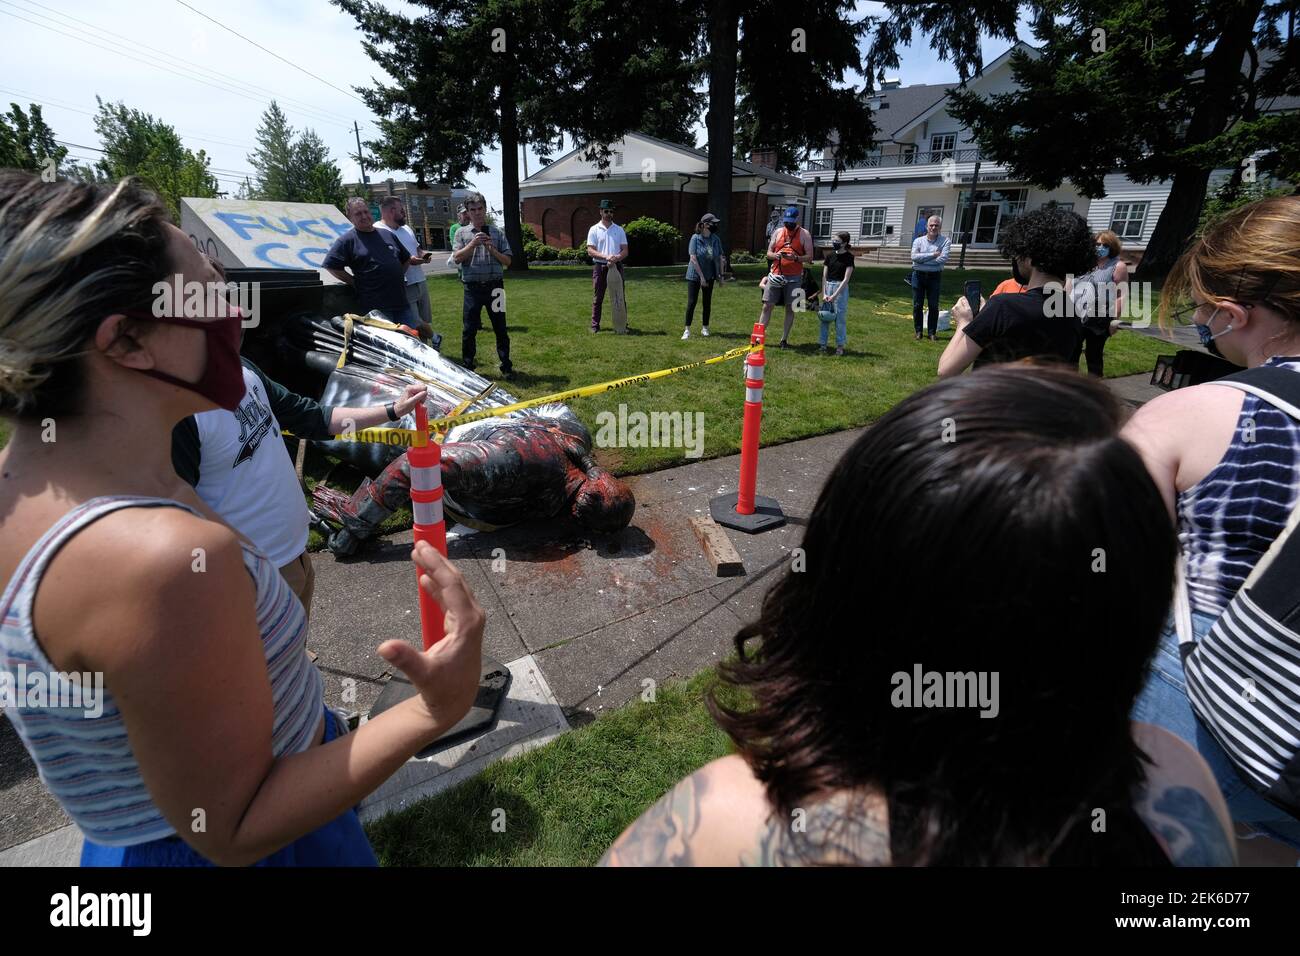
[
  {"x": 1177, "y": 222},
  {"x": 724, "y": 22},
  {"x": 510, "y": 175}
]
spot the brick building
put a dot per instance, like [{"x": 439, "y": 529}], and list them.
[
  {"x": 652, "y": 177},
  {"x": 429, "y": 209}
]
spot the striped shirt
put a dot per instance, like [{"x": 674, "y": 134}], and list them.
[
  {"x": 1228, "y": 519},
  {"x": 85, "y": 759}
]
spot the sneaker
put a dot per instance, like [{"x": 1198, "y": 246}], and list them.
[
  {"x": 784, "y": 344},
  {"x": 508, "y": 374},
  {"x": 839, "y": 351},
  {"x": 595, "y": 328},
  {"x": 917, "y": 337},
  {"x": 933, "y": 337},
  {"x": 705, "y": 331},
  {"x": 821, "y": 350},
  {"x": 686, "y": 334}
]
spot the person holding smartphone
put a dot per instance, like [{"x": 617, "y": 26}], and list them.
[
  {"x": 392, "y": 214},
  {"x": 482, "y": 252},
  {"x": 1044, "y": 246},
  {"x": 837, "y": 269}
]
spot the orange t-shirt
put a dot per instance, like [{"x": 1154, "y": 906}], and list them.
[{"x": 1008, "y": 285}]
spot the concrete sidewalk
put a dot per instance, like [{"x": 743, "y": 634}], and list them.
[{"x": 583, "y": 623}]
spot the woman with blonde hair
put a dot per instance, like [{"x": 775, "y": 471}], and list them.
[
  {"x": 1227, "y": 461},
  {"x": 210, "y": 741}
]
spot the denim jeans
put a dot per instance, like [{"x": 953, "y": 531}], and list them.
[
  {"x": 925, "y": 286},
  {"x": 480, "y": 296},
  {"x": 841, "y": 307},
  {"x": 1164, "y": 702}
]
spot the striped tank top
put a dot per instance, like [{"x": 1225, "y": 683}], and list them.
[
  {"x": 1228, "y": 519},
  {"x": 82, "y": 752}
]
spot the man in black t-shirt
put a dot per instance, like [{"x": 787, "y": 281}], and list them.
[
  {"x": 378, "y": 266},
  {"x": 1044, "y": 246}
]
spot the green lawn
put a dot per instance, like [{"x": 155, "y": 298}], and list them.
[
  {"x": 549, "y": 310},
  {"x": 566, "y": 802}
]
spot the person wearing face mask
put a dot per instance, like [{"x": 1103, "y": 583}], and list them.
[
  {"x": 205, "y": 696},
  {"x": 1228, "y": 461},
  {"x": 1044, "y": 246},
  {"x": 392, "y": 215},
  {"x": 702, "y": 270},
  {"x": 837, "y": 269},
  {"x": 1098, "y": 300}
]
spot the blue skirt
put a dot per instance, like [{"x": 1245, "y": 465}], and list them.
[{"x": 340, "y": 842}]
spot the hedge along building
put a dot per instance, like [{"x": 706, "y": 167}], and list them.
[{"x": 651, "y": 177}]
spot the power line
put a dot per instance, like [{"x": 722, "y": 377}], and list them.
[
  {"x": 59, "y": 105},
  {"x": 215, "y": 169},
  {"x": 191, "y": 67},
  {"x": 273, "y": 53},
  {"x": 120, "y": 53}
]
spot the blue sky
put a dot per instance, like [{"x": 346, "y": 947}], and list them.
[{"x": 166, "y": 59}]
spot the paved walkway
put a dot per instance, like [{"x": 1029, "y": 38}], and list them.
[{"x": 582, "y": 623}]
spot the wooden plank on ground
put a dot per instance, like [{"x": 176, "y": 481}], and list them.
[{"x": 717, "y": 547}]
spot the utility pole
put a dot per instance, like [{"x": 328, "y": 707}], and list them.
[{"x": 361, "y": 161}]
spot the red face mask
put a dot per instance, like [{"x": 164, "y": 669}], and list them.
[{"x": 222, "y": 382}]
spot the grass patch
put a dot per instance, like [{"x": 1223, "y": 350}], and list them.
[
  {"x": 566, "y": 802},
  {"x": 549, "y": 311}
]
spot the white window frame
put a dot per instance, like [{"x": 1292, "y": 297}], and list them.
[
  {"x": 948, "y": 150},
  {"x": 1128, "y": 218},
  {"x": 862, "y": 222},
  {"x": 1053, "y": 204},
  {"x": 829, "y": 213}
]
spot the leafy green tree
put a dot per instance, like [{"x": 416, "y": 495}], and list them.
[
  {"x": 26, "y": 142},
  {"x": 1155, "y": 89},
  {"x": 468, "y": 77},
  {"x": 136, "y": 144}
]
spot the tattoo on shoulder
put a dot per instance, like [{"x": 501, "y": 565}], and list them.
[
  {"x": 840, "y": 831},
  {"x": 663, "y": 835},
  {"x": 1186, "y": 822}
]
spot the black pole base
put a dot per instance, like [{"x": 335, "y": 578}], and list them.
[
  {"x": 494, "y": 681},
  {"x": 767, "y": 514}
]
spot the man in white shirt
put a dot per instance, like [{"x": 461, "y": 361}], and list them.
[
  {"x": 607, "y": 246},
  {"x": 240, "y": 467},
  {"x": 393, "y": 220}
]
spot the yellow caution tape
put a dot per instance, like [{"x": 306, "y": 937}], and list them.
[{"x": 406, "y": 436}]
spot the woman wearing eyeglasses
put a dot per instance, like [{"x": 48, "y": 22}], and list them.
[{"x": 1227, "y": 462}]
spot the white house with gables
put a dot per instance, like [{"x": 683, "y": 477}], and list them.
[{"x": 924, "y": 164}]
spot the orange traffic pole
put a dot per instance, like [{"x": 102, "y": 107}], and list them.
[
  {"x": 746, "y": 510},
  {"x": 425, "y": 463},
  {"x": 754, "y": 366}
]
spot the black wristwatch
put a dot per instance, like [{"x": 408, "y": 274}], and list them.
[{"x": 391, "y": 407}]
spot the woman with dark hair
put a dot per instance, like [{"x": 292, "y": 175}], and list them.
[
  {"x": 876, "y": 725},
  {"x": 1044, "y": 246},
  {"x": 703, "y": 270},
  {"x": 208, "y": 739}
]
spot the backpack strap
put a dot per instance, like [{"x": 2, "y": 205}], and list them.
[{"x": 1280, "y": 387}]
